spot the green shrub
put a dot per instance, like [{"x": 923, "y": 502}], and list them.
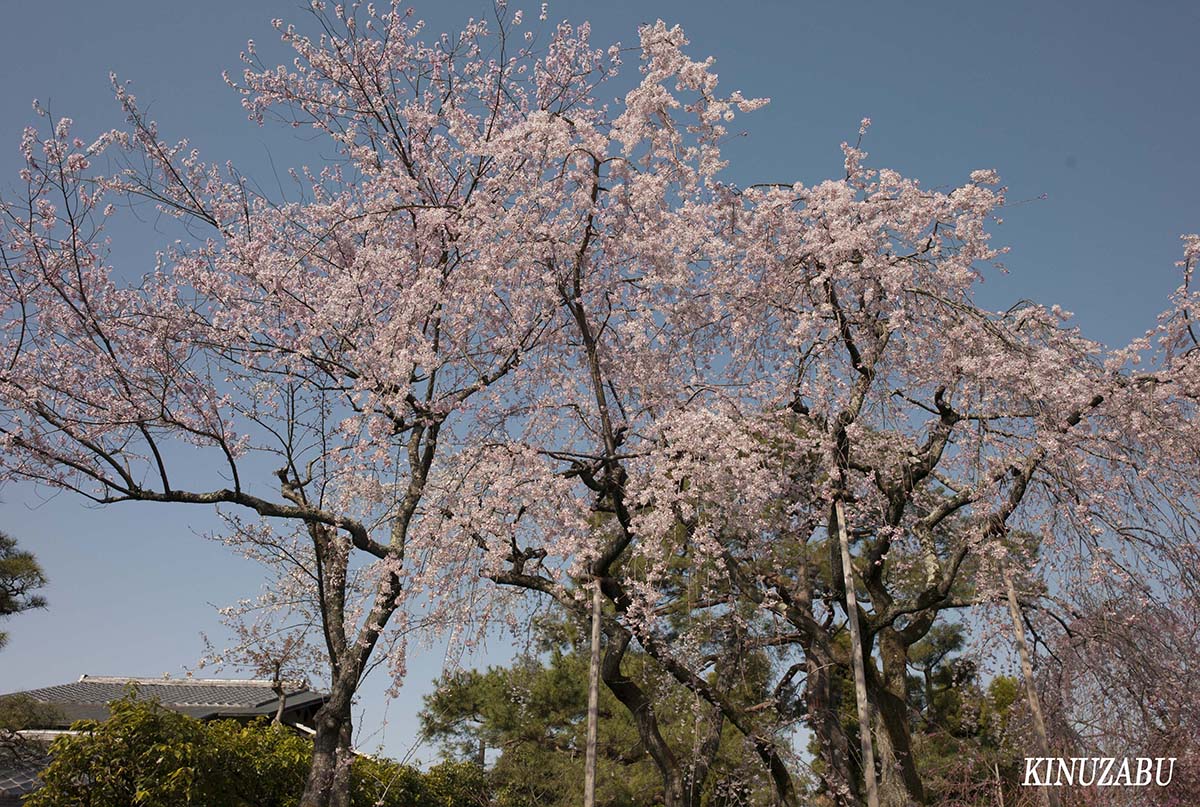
[{"x": 144, "y": 755}]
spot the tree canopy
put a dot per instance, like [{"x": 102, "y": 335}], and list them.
[{"x": 516, "y": 339}]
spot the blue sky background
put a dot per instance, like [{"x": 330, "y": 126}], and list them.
[{"x": 1089, "y": 104}]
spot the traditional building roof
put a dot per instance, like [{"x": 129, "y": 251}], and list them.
[
  {"x": 18, "y": 775},
  {"x": 202, "y": 698}
]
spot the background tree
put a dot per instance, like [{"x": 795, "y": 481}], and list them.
[
  {"x": 531, "y": 717},
  {"x": 23, "y": 712},
  {"x": 970, "y": 733},
  {"x": 17, "y": 714},
  {"x": 527, "y": 721},
  {"x": 20, "y": 577}
]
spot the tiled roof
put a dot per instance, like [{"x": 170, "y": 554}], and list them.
[
  {"x": 18, "y": 774},
  {"x": 88, "y": 697},
  {"x": 167, "y": 691}
]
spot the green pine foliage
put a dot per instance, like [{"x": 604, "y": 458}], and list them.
[
  {"x": 20, "y": 578},
  {"x": 525, "y": 724},
  {"x": 969, "y": 735},
  {"x": 19, "y": 711}
]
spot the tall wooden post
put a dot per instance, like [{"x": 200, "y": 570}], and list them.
[
  {"x": 593, "y": 713},
  {"x": 860, "y": 673},
  {"x": 1035, "y": 704}
]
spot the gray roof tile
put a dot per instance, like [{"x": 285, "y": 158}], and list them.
[
  {"x": 18, "y": 774},
  {"x": 167, "y": 691},
  {"x": 88, "y": 697}
]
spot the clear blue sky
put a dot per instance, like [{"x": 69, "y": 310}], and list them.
[{"x": 1092, "y": 104}]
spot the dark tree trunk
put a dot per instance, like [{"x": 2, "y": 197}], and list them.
[
  {"x": 331, "y": 749},
  {"x": 319, "y": 786},
  {"x": 823, "y": 702},
  {"x": 889, "y": 693},
  {"x": 641, "y": 708},
  {"x": 339, "y": 793}
]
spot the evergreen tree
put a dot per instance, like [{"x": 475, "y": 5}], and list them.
[
  {"x": 20, "y": 577},
  {"x": 526, "y": 723}
]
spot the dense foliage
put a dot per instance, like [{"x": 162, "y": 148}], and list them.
[
  {"x": 526, "y": 723},
  {"x": 969, "y": 734},
  {"x": 22, "y": 712},
  {"x": 146, "y": 756}
]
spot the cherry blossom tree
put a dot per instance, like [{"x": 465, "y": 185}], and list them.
[
  {"x": 858, "y": 375},
  {"x": 272, "y": 639},
  {"x": 1117, "y": 675},
  {"x": 346, "y": 359},
  {"x": 513, "y": 334}
]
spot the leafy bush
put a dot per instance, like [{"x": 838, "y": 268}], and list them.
[{"x": 145, "y": 755}]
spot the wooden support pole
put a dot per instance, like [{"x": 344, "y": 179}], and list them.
[
  {"x": 1035, "y": 705},
  {"x": 593, "y": 707},
  {"x": 860, "y": 673}
]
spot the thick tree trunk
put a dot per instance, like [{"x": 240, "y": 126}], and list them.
[
  {"x": 890, "y": 696},
  {"x": 319, "y": 786},
  {"x": 330, "y": 773},
  {"x": 339, "y": 792},
  {"x": 823, "y": 702},
  {"x": 899, "y": 785}
]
